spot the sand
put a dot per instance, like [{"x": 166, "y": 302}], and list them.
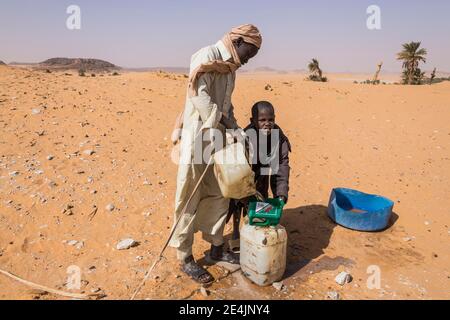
[{"x": 82, "y": 143}]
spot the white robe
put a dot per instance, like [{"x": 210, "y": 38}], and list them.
[{"x": 208, "y": 209}]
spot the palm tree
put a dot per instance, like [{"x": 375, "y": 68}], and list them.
[
  {"x": 433, "y": 75},
  {"x": 411, "y": 55},
  {"x": 377, "y": 73},
  {"x": 316, "y": 72},
  {"x": 314, "y": 68}
]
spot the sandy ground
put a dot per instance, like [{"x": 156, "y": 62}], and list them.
[{"x": 389, "y": 140}]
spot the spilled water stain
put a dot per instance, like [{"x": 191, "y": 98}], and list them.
[
  {"x": 244, "y": 289},
  {"x": 305, "y": 268}
]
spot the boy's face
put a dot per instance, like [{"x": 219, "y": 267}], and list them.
[{"x": 265, "y": 121}]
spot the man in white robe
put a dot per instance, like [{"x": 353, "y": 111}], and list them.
[{"x": 208, "y": 107}]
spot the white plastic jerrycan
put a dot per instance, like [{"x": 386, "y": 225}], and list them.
[
  {"x": 263, "y": 253},
  {"x": 233, "y": 172}
]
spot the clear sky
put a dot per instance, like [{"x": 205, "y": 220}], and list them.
[{"x": 138, "y": 33}]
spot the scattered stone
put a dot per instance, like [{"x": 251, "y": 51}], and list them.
[
  {"x": 110, "y": 207},
  {"x": 50, "y": 157},
  {"x": 407, "y": 239},
  {"x": 79, "y": 245},
  {"x": 39, "y": 172},
  {"x": 278, "y": 285},
  {"x": 14, "y": 173},
  {"x": 139, "y": 258},
  {"x": 95, "y": 290},
  {"x": 333, "y": 295},
  {"x": 89, "y": 152},
  {"x": 162, "y": 182},
  {"x": 79, "y": 171},
  {"x": 90, "y": 179},
  {"x": 427, "y": 223},
  {"x": 343, "y": 278},
  {"x": 146, "y": 213},
  {"x": 93, "y": 191},
  {"x": 204, "y": 292},
  {"x": 147, "y": 183},
  {"x": 67, "y": 210},
  {"x": 268, "y": 87},
  {"x": 37, "y": 293},
  {"x": 72, "y": 242},
  {"x": 126, "y": 244},
  {"x": 36, "y": 111}
]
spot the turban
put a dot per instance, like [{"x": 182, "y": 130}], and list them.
[{"x": 248, "y": 32}]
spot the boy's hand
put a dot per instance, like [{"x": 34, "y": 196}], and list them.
[{"x": 282, "y": 198}]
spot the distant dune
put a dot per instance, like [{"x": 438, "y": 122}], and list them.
[
  {"x": 97, "y": 65},
  {"x": 19, "y": 64},
  {"x": 265, "y": 69},
  {"x": 182, "y": 70}
]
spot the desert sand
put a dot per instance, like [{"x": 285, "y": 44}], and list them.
[{"x": 80, "y": 143}]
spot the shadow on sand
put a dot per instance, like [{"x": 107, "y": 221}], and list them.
[{"x": 309, "y": 231}]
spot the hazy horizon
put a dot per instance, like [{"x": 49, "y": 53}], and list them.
[{"x": 166, "y": 34}]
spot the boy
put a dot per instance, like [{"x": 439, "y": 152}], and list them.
[{"x": 260, "y": 131}]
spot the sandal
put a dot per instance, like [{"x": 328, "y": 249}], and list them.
[
  {"x": 217, "y": 255},
  {"x": 197, "y": 273}
]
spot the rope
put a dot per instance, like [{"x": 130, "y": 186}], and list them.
[{"x": 160, "y": 256}]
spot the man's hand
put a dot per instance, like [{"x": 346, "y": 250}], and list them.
[
  {"x": 237, "y": 133},
  {"x": 227, "y": 123},
  {"x": 245, "y": 201}
]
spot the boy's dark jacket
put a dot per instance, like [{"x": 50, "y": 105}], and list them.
[{"x": 279, "y": 182}]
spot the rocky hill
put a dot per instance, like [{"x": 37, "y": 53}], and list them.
[{"x": 77, "y": 64}]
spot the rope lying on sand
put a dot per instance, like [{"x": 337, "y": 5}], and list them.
[{"x": 47, "y": 289}]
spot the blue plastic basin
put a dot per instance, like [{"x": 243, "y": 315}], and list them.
[{"x": 359, "y": 211}]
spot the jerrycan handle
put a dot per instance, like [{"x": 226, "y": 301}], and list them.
[{"x": 260, "y": 223}]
